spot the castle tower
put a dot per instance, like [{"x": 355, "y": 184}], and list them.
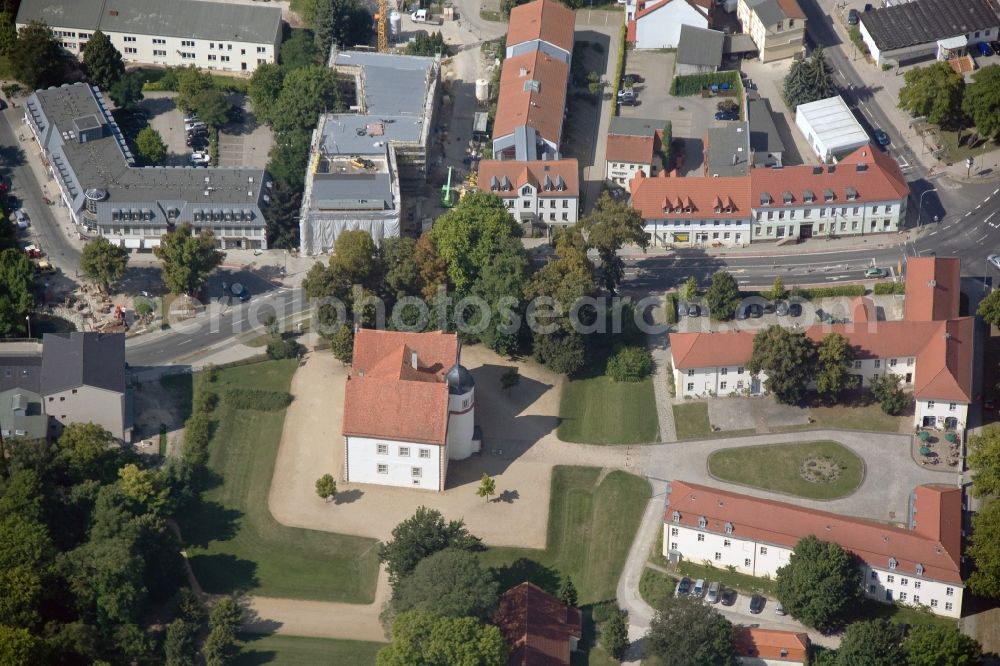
[{"x": 461, "y": 413}]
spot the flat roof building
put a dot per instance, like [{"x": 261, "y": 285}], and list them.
[
  {"x": 830, "y": 128},
  {"x": 727, "y": 150},
  {"x": 134, "y": 206}
]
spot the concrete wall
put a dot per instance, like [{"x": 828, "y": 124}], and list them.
[
  {"x": 623, "y": 172},
  {"x": 364, "y": 461}
]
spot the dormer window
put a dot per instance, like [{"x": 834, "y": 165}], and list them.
[
  {"x": 702, "y": 522},
  {"x": 852, "y": 194},
  {"x": 920, "y": 569},
  {"x": 729, "y": 528},
  {"x": 765, "y": 199},
  {"x": 827, "y": 195},
  {"x": 526, "y": 191},
  {"x": 808, "y": 196},
  {"x": 892, "y": 562},
  {"x": 560, "y": 183},
  {"x": 676, "y": 516},
  {"x": 786, "y": 197}
]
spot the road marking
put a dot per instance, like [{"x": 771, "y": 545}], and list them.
[
  {"x": 983, "y": 238},
  {"x": 996, "y": 191},
  {"x": 184, "y": 342},
  {"x": 986, "y": 200},
  {"x": 932, "y": 233},
  {"x": 978, "y": 207},
  {"x": 989, "y": 216},
  {"x": 968, "y": 214}
]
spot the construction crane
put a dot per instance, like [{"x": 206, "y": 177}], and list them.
[{"x": 381, "y": 19}]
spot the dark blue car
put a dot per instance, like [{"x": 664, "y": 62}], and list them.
[
  {"x": 984, "y": 49},
  {"x": 881, "y": 137}
]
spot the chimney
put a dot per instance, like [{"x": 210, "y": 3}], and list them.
[
  {"x": 735, "y": 158},
  {"x": 413, "y": 359},
  {"x": 523, "y": 72},
  {"x": 361, "y": 372}
]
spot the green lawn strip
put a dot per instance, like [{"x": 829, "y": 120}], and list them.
[
  {"x": 590, "y": 531},
  {"x": 656, "y": 556},
  {"x": 691, "y": 420},
  {"x": 843, "y": 417},
  {"x": 869, "y": 609},
  {"x": 654, "y": 586},
  {"x": 233, "y": 542},
  {"x": 740, "y": 582},
  {"x": 597, "y": 410},
  {"x": 301, "y": 651},
  {"x": 777, "y": 467}
]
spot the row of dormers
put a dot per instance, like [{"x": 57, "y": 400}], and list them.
[{"x": 503, "y": 184}]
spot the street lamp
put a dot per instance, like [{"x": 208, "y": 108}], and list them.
[
  {"x": 968, "y": 164},
  {"x": 27, "y": 318},
  {"x": 920, "y": 203}
]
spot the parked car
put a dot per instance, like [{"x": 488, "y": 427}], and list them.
[
  {"x": 995, "y": 260},
  {"x": 853, "y": 17},
  {"x": 198, "y": 131},
  {"x": 768, "y": 308},
  {"x": 240, "y": 292},
  {"x": 794, "y": 309},
  {"x": 728, "y": 596},
  {"x": 191, "y": 127},
  {"x": 626, "y": 97},
  {"x": 779, "y": 609},
  {"x": 757, "y": 604},
  {"x": 693, "y": 310},
  {"x": 875, "y": 272},
  {"x": 699, "y": 588},
  {"x": 23, "y": 222},
  {"x": 984, "y": 49},
  {"x": 881, "y": 137},
  {"x": 712, "y": 596},
  {"x": 633, "y": 78},
  {"x": 755, "y": 311},
  {"x": 683, "y": 587},
  {"x": 200, "y": 158},
  {"x": 726, "y": 115},
  {"x": 190, "y": 118},
  {"x": 197, "y": 142},
  {"x": 995, "y": 46},
  {"x": 44, "y": 267},
  {"x": 781, "y": 308},
  {"x": 741, "y": 313}
]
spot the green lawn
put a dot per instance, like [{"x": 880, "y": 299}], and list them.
[
  {"x": 232, "y": 541},
  {"x": 853, "y": 416},
  {"x": 597, "y": 410},
  {"x": 740, "y": 582},
  {"x": 777, "y": 467},
  {"x": 691, "y": 422},
  {"x": 297, "y": 650},
  {"x": 955, "y": 152},
  {"x": 654, "y": 586},
  {"x": 590, "y": 531},
  {"x": 6, "y": 71}
]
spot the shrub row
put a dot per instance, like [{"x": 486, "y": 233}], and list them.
[
  {"x": 168, "y": 82},
  {"x": 670, "y": 304},
  {"x": 280, "y": 349},
  {"x": 886, "y": 288},
  {"x": 829, "y": 292},
  {"x": 619, "y": 73},
  {"x": 257, "y": 399},
  {"x": 692, "y": 84}
]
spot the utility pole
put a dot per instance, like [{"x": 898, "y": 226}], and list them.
[{"x": 968, "y": 164}]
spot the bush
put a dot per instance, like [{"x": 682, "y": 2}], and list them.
[
  {"x": 886, "y": 288},
  {"x": 630, "y": 364},
  {"x": 197, "y": 432},
  {"x": 670, "y": 309},
  {"x": 822, "y": 292},
  {"x": 693, "y": 84},
  {"x": 619, "y": 73},
  {"x": 665, "y": 146},
  {"x": 205, "y": 401},
  {"x": 280, "y": 349},
  {"x": 257, "y": 399}
]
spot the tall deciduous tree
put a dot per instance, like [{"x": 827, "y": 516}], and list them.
[
  {"x": 191, "y": 82},
  {"x": 8, "y": 33},
  {"x": 686, "y": 632},
  {"x": 222, "y": 646},
  {"x": 344, "y": 23},
  {"x": 421, "y": 637},
  {"x": 149, "y": 144},
  {"x": 102, "y": 61},
  {"x": 820, "y": 584},
  {"x": 288, "y": 159},
  {"x": 982, "y": 548},
  {"x": 788, "y": 358},
  {"x": 872, "y": 643},
  {"x": 778, "y": 290},
  {"x": 450, "y": 583},
  {"x": 501, "y": 284},
  {"x": 689, "y": 292},
  {"x": 614, "y": 633},
  {"x": 984, "y": 461},
  {"x": 608, "y": 227},
  {"x": 16, "y": 275},
  {"x": 935, "y": 645},
  {"x": 299, "y": 50},
  {"x": 401, "y": 271},
  {"x": 127, "y": 90},
  {"x": 187, "y": 259},
  {"x": 432, "y": 267},
  {"x": 722, "y": 296},
  {"x": 212, "y": 107},
  {"x": 265, "y": 88},
  {"x": 103, "y": 262},
  {"x": 37, "y": 58},
  {"x": 934, "y": 91},
  {"x": 981, "y": 101},
  {"x": 889, "y": 393},
  {"x": 835, "y": 358},
  {"x": 423, "y": 534},
  {"x": 305, "y": 94},
  {"x": 26, "y": 555},
  {"x": 989, "y": 308},
  {"x": 19, "y": 647}
]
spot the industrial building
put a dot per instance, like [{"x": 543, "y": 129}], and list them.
[
  {"x": 362, "y": 163},
  {"x": 830, "y": 128}
]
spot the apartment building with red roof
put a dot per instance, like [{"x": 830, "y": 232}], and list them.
[
  {"x": 919, "y": 564},
  {"x": 633, "y": 145},
  {"x": 408, "y": 409},
  {"x": 547, "y": 191},
  {"x": 930, "y": 349},
  {"x": 757, "y": 647},
  {"x": 541, "y": 26},
  {"x": 540, "y": 629}
]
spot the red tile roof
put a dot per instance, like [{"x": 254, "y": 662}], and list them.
[
  {"x": 791, "y": 9},
  {"x": 537, "y": 626},
  {"x": 664, "y": 198},
  {"x": 519, "y": 173},
  {"x": 545, "y": 20},
  {"x": 784, "y": 524},
  {"x": 387, "y": 397},
  {"x": 772, "y": 644},
  {"x": 543, "y": 110},
  {"x": 933, "y": 288},
  {"x": 630, "y": 148}
]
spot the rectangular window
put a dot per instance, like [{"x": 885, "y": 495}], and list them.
[
  {"x": 904, "y": 581},
  {"x": 873, "y": 575},
  {"x": 916, "y": 598},
  {"x": 383, "y": 449},
  {"x": 187, "y": 56},
  {"x": 892, "y": 363},
  {"x": 225, "y": 58},
  {"x": 383, "y": 468},
  {"x": 157, "y": 40},
  {"x": 857, "y": 364},
  {"x": 130, "y": 49},
  {"x": 746, "y": 562},
  {"x": 261, "y": 49},
  {"x": 727, "y": 543},
  {"x": 701, "y": 537},
  {"x": 890, "y": 579},
  {"x": 763, "y": 550},
  {"x": 916, "y": 585},
  {"x": 425, "y": 453},
  {"x": 718, "y": 556},
  {"x": 162, "y": 54},
  {"x": 878, "y": 363},
  {"x": 930, "y": 404},
  {"x": 951, "y": 406},
  {"x": 404, "y": 452},
  {"x": 739, "y": 370},
  {"x": 673, "y": 531},
  {"x": 129, "y": 38},
  {"x": 933, "y": 603},
  {"x": 902, "y": 596},
  {"x": 949, "y": 591},
  {"x": 724, "y": 372},
  {"x": 212, "y": 56},
  {"x": 722, "y": 386},
  {"x": 947, "y": 606},
  {"x": 690, "y": 373},
  {"x": 871, "y": 589},
  {"x": 416, "y": 472},
  {"x": 187, "y": 42},
  {"x": 690, "y": 387}
]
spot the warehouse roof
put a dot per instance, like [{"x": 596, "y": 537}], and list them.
[
  {"x": 833, "y": 123},
  {"x": 699, "y": 46},
  {"x": 923, "y": 21}
]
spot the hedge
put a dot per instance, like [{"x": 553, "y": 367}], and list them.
[
  {"x": 665, "y": 145},
  {"x": 829, "y": 292},
  {"x": 630, "y": 364},
  {"x": 619, "y": 73},
  {"x": 197, "y": 432},
  {"x": 257, "y": 399},
  {"x": 280, "y": 349},
  {"x": 693, "y": 84},
  {"x": 168, "y": 82},
  {"x": 887, "y": 288},
  {"x": 670, "y": 304}
]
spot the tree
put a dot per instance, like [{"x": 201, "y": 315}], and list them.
[
  {"x": 820, "y": 584},
  {"x": 102, "y": 61},
  {"x": 402, "y": 274},
  {"x": 265, "y": 88},
  {"x": 935, "y": 645},
  {"x": 144, "y": 486},
  {"x": 686, "y": 632},
  {"x": 469, "y": 236},
  {"x": 834, "y": 360},
  {"x": 150, "y": 147},
  {"x": 343, "y": 23},
  {"x": 326, "y": 487},
  {"x": 26, "y": 556},
  {"x": 722, "y": 296},
  {"x": 487, "y": 487},
  {"x": 984, "y": 461},
  {"x": 299, "y": 50},
  {"x": 127, "y": 90},
  {"x": 689, "y": 292},
  {"x": 630, "y": 364},
  {"x": 88, "y": 451},
  {"x": 608, "y": 227},
  {"x": 18, "y": 647},
  {"x": 180, "y": 643},
  {"x": 423, "y": 534},
  {"x": 563, "y": 352},
  {"x": 432, "y": 268},
  {"x": 614, "y": 633},
  {"x": 17, "y": 274},
  {"x": 357, "y": 260},
  {"x": 8, "y": 33},
  {"x": 37, "y": 58},
  {"x": 192, "y": 82},
  {"x": 982, "y": 548},
  {"x": 778, "y": 291},
  {"x": 103, "y": 262},
  {"x": 451, "y": 583},
  {"x": 934, "y": 91},
  {"x": 808, "y": 80},
  {"x": 212, "y": 107},
  {"x": 288, "y": 158},
  {"x": 421, "y": 637},
  {"x": 501, "y": 284},
  {"x": 187, "y": 259},
  {"x": 510, "y": 378},
  {"x": 889, "y": 393},
  {"x": 989, "y": 307},
  {"x": 305, "y": 94},
  {"x": 567, "y": 591},
  {"x": 981, "y": 101},
  {"x": 788, "y": 358},
  {"x": 427, "y": 45},
  {"x": 871, "y": 643},
  {"x": 342, "y": 344}
]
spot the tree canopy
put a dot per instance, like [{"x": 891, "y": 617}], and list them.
[
  {"x": 265, "y": 88},
  {"x": 608, "y": 227},
  {"x": 102, "y": 61},
  {"x": 8, "y": 33},
  {"x": 421, "y": 535},
  {"x": 834, "y": 361},
  {"x": 191, "y": 82},
  {"x": 788, "y": 359},
  {"x": 305, "y": 94},
  {"x": 103, "y": 262},
  {"x": 935, "y": 92},
  {"x": 820, "y": 584},
  {"x": 17, "y": 274},
  {"x": 345, "y": 23},
  {"x": 212, "y": 107},
  {"x": 984, "y": 461},
  {"x": 981, "y": 101},
  {"x": 150, "y": 147},
  {"x": 37, "y": 58},
  {"x": 127, "y": 90},
  {"x": 889, "y": 393},
  {"x": 299, "y": 50},
  {"x": 451, "y": 583},
  {"x": 808, "y": 80},
  {"x": 722, "y": 296},
  {"x": 421, "y": 637},
  {"x": 187, "y": 259},
  {"x": 936, "y": 645},
  {"x": 871, "y": 643},
  {"x": 989, "y": 308},
  {"x": 982, "y": 548},
  {"x": 687, "y": 632}
]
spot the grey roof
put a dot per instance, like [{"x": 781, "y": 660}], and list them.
[
  {"x": 83, "y": 359},
  {"x": 20, "y": 366},
  {"x": 459, "y": 380},
  {"x": 923, "y": 21},
  {"x": 623, "y": 126},
  {"x": 22, "y": 414},
  {"x": 359, "y": 191},
  {"x": 190, "y": 19},
  {"x": 741, "y": 43},
  {"x": 768, "y": 11},
  {"x": 353, "y": 134},
  {"x": 62, "y": 116},
  {"x": 698, "y": 46},
  {"x": 725, "y": 143},
  {"x": 764, "y": 136}
]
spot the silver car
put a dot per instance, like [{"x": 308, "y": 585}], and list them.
[
  {"x": 995, "y": 260},
  {"x": 713, "y": 593},
  {"x": 699, "y": 588}
]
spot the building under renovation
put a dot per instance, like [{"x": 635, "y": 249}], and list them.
[{"x": 362, "y": 162}]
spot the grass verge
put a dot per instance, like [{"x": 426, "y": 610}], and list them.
[
  {"x": 778, "y": 467},
  {"x": 232, "y": 541},
  {"x": 855, "y": 415},
  {"x": 740, "y": 582},
  {"x": 691, "y": 422},
  {"x": 591, "y": 527},
  {"x": 597, "y": 410},
  {"x": 655, "y": 586},
  {"x": 301, "y": 651}
]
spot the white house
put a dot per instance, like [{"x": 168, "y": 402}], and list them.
[
  {"x": 223, "y": 36},
  {"x": 409, "y": 408},
  {"x": 633, "y": 145},
  {"x": 930, "y": 350},
  {"x": 777, "y": 27},
  {"x": 656, "y": 24},
  {"x": 830, "y": 128},
  {"x": 547, "y": 192},
  {"x": 919, "y": 565}
]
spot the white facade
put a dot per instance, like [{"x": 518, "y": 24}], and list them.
[
  {"x": 825, "y": 219},
  {"x": 941, "y": 414},
  {"x": 528, "y": 204},
  {"x": 461, "y": 424},
  {"x": 776, "y": 41},
  {"x": 720, "y": 381},
  {"x": 830, "y": 128},
  {"x": 392, "y": 463},
  {"x": 756, "y": 558},
  {"x": 698, "y": 233},
  {"x": 661, "y": 28},
  {"x": 623, "y": 172}
]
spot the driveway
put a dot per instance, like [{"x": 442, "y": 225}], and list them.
[{"x": 245, "y": 144}]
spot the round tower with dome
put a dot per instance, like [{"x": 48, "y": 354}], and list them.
[{"x": 461, "y": 413}]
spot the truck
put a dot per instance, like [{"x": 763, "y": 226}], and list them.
[{"x": 424, "y": 16}]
